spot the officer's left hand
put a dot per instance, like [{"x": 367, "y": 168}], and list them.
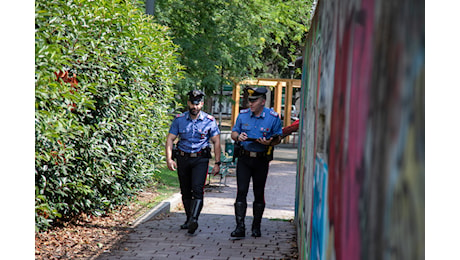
[
  {"x": 265, "y": 141},
  {"x": 215, "y": 170},
  {"x": 171, "y": 164}
]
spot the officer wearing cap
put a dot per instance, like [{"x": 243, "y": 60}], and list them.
[
  {"x": 195, "y": 129},
  {"x": 257, "y": 130}
]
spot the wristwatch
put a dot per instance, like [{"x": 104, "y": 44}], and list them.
[{"x": 218, "y": 163}]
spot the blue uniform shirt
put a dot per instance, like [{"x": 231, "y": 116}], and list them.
[
  {"x": 194, "y": 134},
  {"x": 266, "y": 125}
]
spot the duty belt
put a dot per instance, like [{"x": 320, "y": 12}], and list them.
[
  {"x": 184, "y": 154},
  {"x": 253, "y": 154}
]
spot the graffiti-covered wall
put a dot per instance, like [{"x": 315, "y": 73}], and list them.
[{"x": 360, "y": 186}]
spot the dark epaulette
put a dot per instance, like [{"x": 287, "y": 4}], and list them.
[
  {"x": 180, "y": 115},
  {"x": 274, "y": 113},
  {"x": 210, "y": 117},
  {"x": 245, "y": 110}
]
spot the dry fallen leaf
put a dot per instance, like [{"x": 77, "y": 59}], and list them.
[{"x": 89, "y": 236}]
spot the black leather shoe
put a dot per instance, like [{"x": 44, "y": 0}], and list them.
[
  {"x": 188, "y": 208},
  {"x": 240, "y": 214},
  {"x": 185, "y": 225},
  {"x": 239, "y": 232},
  {"x": 192, "y": 226},
  {"x": 256, "y": 231},
  {"x": 258, "y": 211},
  {"x": 197, "y": 205}
]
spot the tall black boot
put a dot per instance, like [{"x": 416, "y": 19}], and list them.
[
  {"x": 188, "y": 208},
  {"x": 258, "y": 211},
  {"x": 197, "y": 205},
  {"x": 240, "y": 214}
]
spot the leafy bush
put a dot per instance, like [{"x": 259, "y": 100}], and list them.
[{"x": 103, "y": 87}]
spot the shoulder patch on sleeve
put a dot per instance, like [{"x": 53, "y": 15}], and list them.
[
  {"x": 180, "y": 115},
  {"x": 273, "y": 113},
  {"x": 211, "y": 117},
  {"x": 245, "y": 111}
]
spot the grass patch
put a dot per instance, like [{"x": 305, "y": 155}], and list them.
[
  {"x": 168, "y": 177},
  {"x": 281, "y": 219}
]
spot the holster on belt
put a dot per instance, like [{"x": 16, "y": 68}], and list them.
[
  {"x": 236, "y": 150},
  {"x": 207, "y": 152},
  {"x": 271, "y": 149},
  {"x": 270, "y": 152},
  {"x": 175, "y": 151}
]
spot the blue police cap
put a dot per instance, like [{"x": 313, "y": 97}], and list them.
[
  {"x": 255, "y": 93},
  {"x": 195, "y": 96}
]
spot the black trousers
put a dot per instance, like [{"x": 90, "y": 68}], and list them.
[
  {"x": 255, "y": 168},
  {"x": 192, "y": 172}
]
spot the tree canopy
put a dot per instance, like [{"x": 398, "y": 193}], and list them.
[{"x": 222, "y": 42}]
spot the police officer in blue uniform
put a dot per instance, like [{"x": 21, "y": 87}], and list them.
[
  {"x": 195, "y": 129},
  {"x": 257, "y": 130}
]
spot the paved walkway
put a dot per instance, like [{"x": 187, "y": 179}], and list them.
[{"x": 158, "y": 236}]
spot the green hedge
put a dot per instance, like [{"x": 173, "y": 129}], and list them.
[{"x": 103, "y": 88}]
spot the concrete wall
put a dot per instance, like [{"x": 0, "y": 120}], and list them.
[{"x": 360, "y": 181}]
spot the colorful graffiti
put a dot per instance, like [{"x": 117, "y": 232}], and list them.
[{"x": 360, "y": 186}]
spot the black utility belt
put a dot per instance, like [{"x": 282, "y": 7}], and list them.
[
  {"x": 184, "y": 154},
  {"x": 252, "y": 154},
  {"x": 203, "y": 153}
]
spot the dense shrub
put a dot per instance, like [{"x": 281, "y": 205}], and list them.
[{"x": 103, "y": 77}]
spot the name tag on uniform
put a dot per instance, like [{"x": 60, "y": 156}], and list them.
[{"x": 252, "y": 154}]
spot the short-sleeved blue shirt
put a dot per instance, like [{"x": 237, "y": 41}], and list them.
[
  {"x": 194, "y": 134},
  {"x": 266, "y": 125}
]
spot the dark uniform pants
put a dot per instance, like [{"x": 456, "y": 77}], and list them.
[
  {"x": 192, "y": 172},
  {"x": 257, "y": 168}
]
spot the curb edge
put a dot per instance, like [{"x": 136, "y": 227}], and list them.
[{"x": 163, "y": 207}]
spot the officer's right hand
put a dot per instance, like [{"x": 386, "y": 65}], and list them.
[
  {"x": 171, "y": 164},
  {"x": 242, "y": 137}
]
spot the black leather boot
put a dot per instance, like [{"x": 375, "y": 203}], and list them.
[
  {"x": 240, "y": 214},
  {"x": 188, "y": 208},
  {"x": 258, "y": 211},
  {"x": 197, "y": 205}
]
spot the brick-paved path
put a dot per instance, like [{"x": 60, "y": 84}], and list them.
[{"x": 161, "y": 238}]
